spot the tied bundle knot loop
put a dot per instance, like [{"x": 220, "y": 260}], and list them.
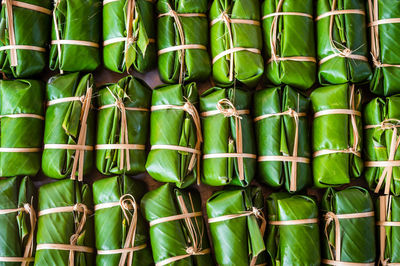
[
  {"x": 227, "y": 112},
  {"x": 389, "y": 124}
]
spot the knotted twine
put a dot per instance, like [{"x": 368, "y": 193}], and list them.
[
  {"x": 193, "y": 229},
  {"x": 391, "y": 162},
  {"x": 13, "y": 47},
  {"x": 77, "y": 209},
  {"x": 228, "y": 112},
  {"x": 27, "y": 258},
  {"x": 124, "y": 144},
  {"x": 127, "y": 203}
]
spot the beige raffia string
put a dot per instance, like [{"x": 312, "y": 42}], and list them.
[{"x": 294, "y": 222}]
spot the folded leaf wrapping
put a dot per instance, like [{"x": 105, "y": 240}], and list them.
[
  {"x": 183, "y": 40},
  {"x": 119, "y": 224},
  {"x": 337, "y": 137},
  {"x": 123, "y": 126},
  {"x": 289, "y": 42},
  {"x": 175, "y": 135},
  {"x": 65, "y": 234},
  {"x": 129, "y": 35},
  {"x": 384, "y": 18},
  {"x": 293, "y": 232},
  {"x": 18, "y": 221},
  {"x": 342, "y": 42},
  {"x": 349, "y": 227},
  {"x": 21, "y": 119},
  {"x": 283, "y": 138},
  {"x": 233, "y": 217},
  {"x": 23, "y": 50},
  {"x": 236, "y": 42},
  {"x": 69, "y": 126},
  {"x": 229, "y": 148},
  {"x": 75, "y": 35},
  {"x": 177, "y": 230},
  {"x": 382, "y": 118}
]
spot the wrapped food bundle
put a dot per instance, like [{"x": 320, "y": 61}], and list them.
[
  {"x": 229, "y": 148},
  {"x": 121, "y": 233},
  {"x": 23, "y": 51},
  {"x": 236, "y": 42},
  {"x": 288, "y": 28},
  {"x": 237, "y": 226},
  {"x": 177, "y": 230},
  {"x": 342, "y": 42},
  {"x": 382, "y": 120},
  {"x": 69, "y": 126},
  {"x": 283, "y": 138},
  {"x": 65, "y": 233},
  {"x": 122, "y": 126},
  {"x": 182, "y": 40},
  {"x": 175, "y": 135},
  {"x": 337, "y": 135},
  {"x": 293, "y": 232},
  {"x": 384, "y": 23},
  {"x": 349, "y": 231},
  {"x": 18, "y": 221},
  {"x": 129, "y": 35},
  {"x": 21, "y": 119},
  {"x": 75, "y": 35}
]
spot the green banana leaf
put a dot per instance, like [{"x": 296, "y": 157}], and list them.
[
  {"x": 378, "y": 140},
  {"x": 236, "y": 241},
  {"x": 111, "y": 226},
  {"x": 276, "y": 135},
  {"x": 220, "y": 137},
  {"x": 335, "y": 132},
  {"x": 349, "y": 34},
  {"x": 173, "y": 238},
  {"x": 141, "y": 53},
  {"x": 295, "y": 38},
  {"x": 29, "y": 62},
  {"x": 248, "y": 67},
  {"x": 134, "y": 93},
  {"x": 15, "y": 192},
  {"x": 76, "y": 20},
  {"x": 292, "y": 244},
  {"x": 21, "y": 97},
  {"x": 195, "y": 30},
  {"x": 63, "y": 124},
  {"x": 386, "y": 80},
  {"x": 357, "y": 234},
  {"x": 57, "y": 228},
  {"x": 173, "y": 127}
]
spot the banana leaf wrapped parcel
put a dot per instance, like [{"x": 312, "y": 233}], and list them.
[
  {"x": 177, "y": 230},
  {"x": 65, "y": 234},
  {"x": 293, "y": 232},
  {"x": 69, "y": 126},
  {"x": 182, "y": 40},
  {"x": 175, "y": 135},
  {"x": 229, "y": 150},
  {"x": 23, "y": 50},
  {"x": 283, "y": 138},
  {"x": 236, "y": 42},
  {"x": 337, "y": 135},
  {"x": 21, "y": 119},
  {"x": 342, "y": 42},
  {"x": 121, "y": 232},
  {"x": 122, "y": 126},
  {"x": 349, "y": 227},
  {"x": 237, "y": 226},
  {"x": 384, "y": 21},
  {"x": 18, "y": 221},
  {"x": 129, "y": 35},
  {"x": 288, "y": 28},
  {"x": 382, "y": 159},
  {"x": 75, "y": 35}
]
